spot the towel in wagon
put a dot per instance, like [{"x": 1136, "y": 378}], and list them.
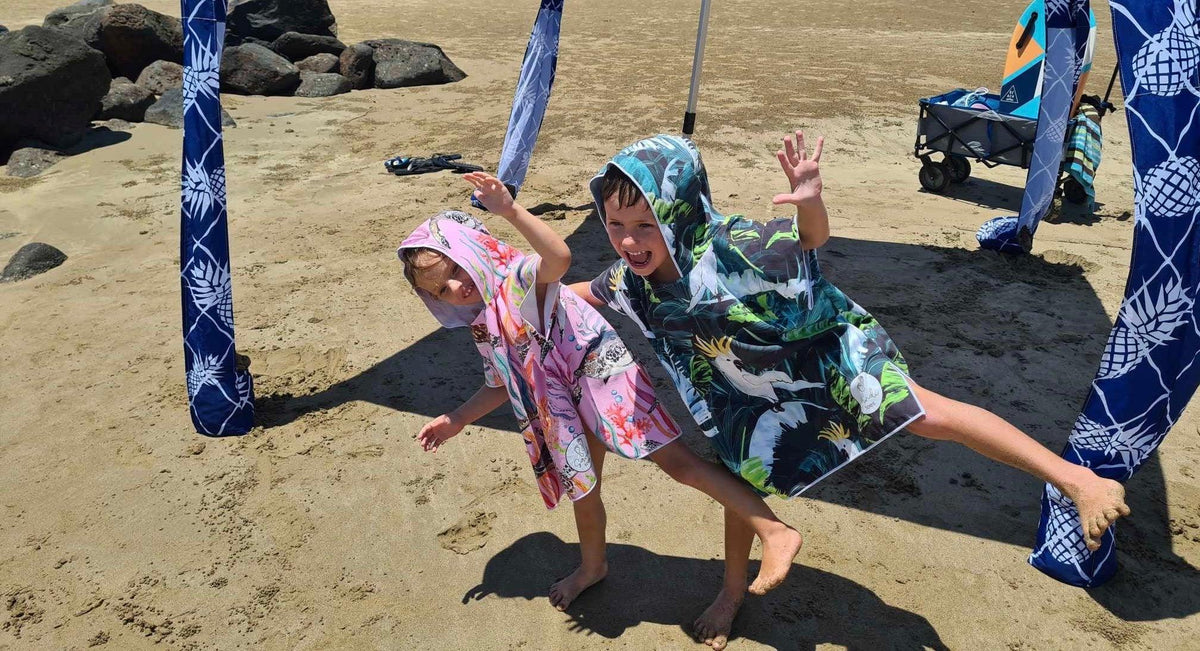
[{"x": 1082, "y": 157}]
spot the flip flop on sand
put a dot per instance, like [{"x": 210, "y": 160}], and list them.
[{"x": 408, "y": 165}]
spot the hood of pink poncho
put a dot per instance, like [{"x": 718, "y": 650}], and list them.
[{"x": 467, "y": 241}]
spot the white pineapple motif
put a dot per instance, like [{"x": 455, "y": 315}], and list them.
[
  {"x": 202, "y": 191},
  {"x": 1171, "y": 187},
  {"x": 1185, "y": 18},
  {"x": 1185, "y": 14},
  {"x": 1055, "y": 7},
  {"x": 202, "y": 76},
  {"x": 205, "y": 370},
  {"x": 1130, "y": 445},
  {"x": 210, "y": 285},
  {"x": 1057, "y": 130},
  {"x": 1167, "y": 61},
  {"x": 1064, "y": 539},
  {"x": 1089, "y": 435},
  {"x": 1143, "y": 323},
  {"x": 243, "y": 388}
]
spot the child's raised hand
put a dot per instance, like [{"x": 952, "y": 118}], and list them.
[
  {"x": 491, "y": 193},
  {"x": 436, "y": 432},
  {"x": 803, "y": 172}
]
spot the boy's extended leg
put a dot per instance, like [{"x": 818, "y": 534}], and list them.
[
  {"x": 781, "y": 543},
  {"x": 714, "y": 624},
  {"x": 1100, "y": 501},
  {"x": 590, "y": 522}
]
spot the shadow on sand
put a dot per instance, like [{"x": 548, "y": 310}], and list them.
[
  {"x": 980, "y": 327},
  {"x": 812, "y": 608}
]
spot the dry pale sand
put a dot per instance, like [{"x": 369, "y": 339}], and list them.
[{"x": 326, "y": 527}]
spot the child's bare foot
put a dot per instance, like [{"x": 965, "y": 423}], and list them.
[
  {"x": 1100, "y": 502},
  {"x": 564, "y": 591},
  {"x": 714, "y": 624},
  {"x": 779, "y": 549}
]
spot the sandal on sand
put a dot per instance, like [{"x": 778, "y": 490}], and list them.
[{"x": 408, "y": 166}]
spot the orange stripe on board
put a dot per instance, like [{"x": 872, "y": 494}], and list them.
[{"x": 1018, "y": 60}]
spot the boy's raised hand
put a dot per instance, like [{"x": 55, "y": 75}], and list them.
[
  {"x": 491, "y": 193},
  {"x": 436, "y": 432},
  {"x": 803, "y": 171}
]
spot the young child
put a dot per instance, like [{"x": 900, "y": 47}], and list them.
[
  {"x": 572, "y": 384},
  {"x": 788, "y": 377}
]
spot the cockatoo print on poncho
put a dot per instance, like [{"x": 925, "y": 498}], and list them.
[{"x": 788, "y": 377}]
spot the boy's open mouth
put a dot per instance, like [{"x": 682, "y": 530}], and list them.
[{"x": 638, "y": 259}]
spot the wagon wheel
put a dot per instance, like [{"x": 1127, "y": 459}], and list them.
[
  {"x": 959, "y": 167},
  {"x": 934, "y": 177},
  {"x": 1074, "y": 192}
]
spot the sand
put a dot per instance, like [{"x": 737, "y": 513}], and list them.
[{"x": 327, "y": 527}]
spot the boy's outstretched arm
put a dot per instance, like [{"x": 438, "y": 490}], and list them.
[
  {"x": 804, "y": 179},
  {"x": 556, "y": 256},
  {"x": 584, "y": 290},
  {"x": 447, "y": 426}
]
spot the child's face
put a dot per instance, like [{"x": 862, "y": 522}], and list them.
[
  {"x": 634, "y": 235},
  {"x": 446, "y": 281}
]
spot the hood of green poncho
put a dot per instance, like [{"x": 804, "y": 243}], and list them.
[{"x": 669, "y": 172}]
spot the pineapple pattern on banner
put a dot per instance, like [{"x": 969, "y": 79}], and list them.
[
  {"x": 532, "y": 94},
  {"x": 220, "y": 396},
  {"x": 1151, "y": 365},
  {"x": 1070, "y": 36}
]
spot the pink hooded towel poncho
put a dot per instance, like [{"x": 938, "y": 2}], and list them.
[{"x": 564, "y": 367}]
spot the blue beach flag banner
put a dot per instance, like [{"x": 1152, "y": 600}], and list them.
[
  {"x": 1068, "y": 30},
  {"x": 532, "y": 95},
  {"x": 1150, "y": 367},
  {"x": 220, "y": 396}
]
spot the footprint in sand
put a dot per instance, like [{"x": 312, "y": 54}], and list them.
[{"x": 468, "y": 534}]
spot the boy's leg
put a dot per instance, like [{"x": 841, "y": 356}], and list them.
[
  {"x": 1100, "y": 501},
  {"x": 590, "y": 522},
  {"x": 714, "y": 624},
  {"x": 781, "y": 543}
]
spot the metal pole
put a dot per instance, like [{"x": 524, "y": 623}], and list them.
[
  {"x": 689, "y": 116},
  {"x": 1105, "y": 105}
]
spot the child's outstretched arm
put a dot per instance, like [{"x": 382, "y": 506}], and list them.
[
  {"x": 447, "y": 426},
  {"x": 556, "y": 257},
  {"x": 804, "y": 179},
  {"x": 584, "y": 291}
]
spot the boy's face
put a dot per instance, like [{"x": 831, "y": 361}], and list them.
[
  {"x": 634, "y": 235},
  {"x": 446, "y": 281}
]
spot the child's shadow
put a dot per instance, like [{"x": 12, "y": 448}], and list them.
[
  {"x": 413, "y": 379},
  {"x": 811, "y": 608}
]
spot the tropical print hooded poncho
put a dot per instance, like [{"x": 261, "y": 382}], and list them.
[
  {"x": 788, "y": 377},
  {"x": 566, "y": 371}
]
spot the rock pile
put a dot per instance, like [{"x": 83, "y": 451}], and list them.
[{"x": 96, "y": 60}]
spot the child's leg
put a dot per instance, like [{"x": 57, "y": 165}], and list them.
[
  {"x": 590, "y": 522},
  {"x": 781, "y": 543},
  {"x": 1100, "y": 501},
  {"x": 714, "y": 624}
]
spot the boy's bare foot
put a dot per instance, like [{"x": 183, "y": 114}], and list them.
[
  {"x": 564, "y": 591},
  {"x": 779, "y": 549},
  {"x": 1100, "y": 502},
  {"x": 713, "y": 626}
]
